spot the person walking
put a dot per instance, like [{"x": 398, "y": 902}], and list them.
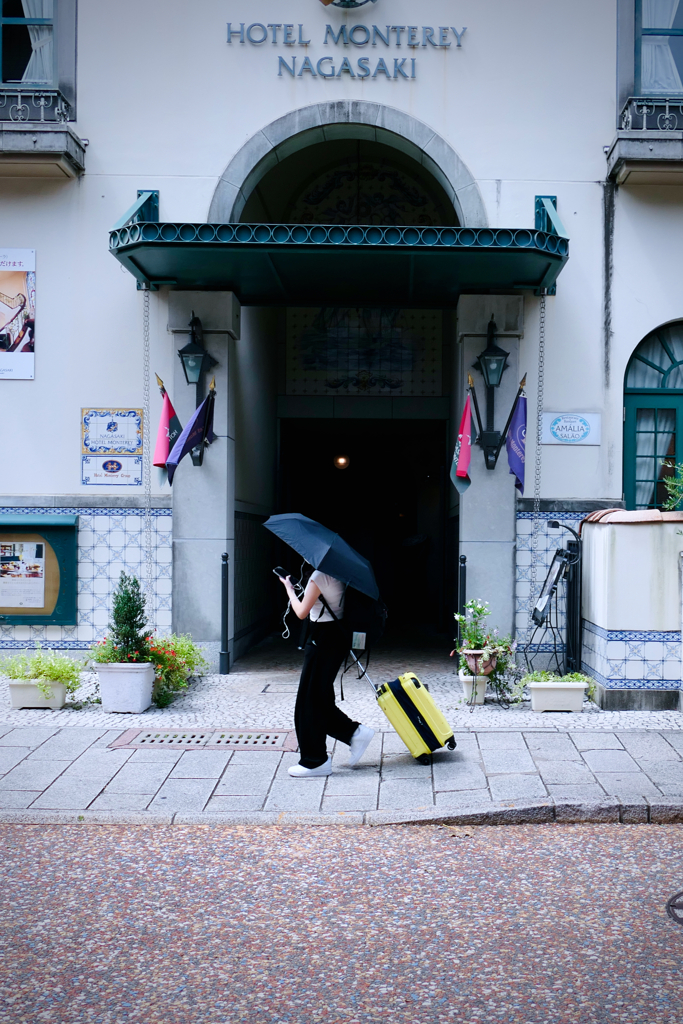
[{"x": 316, "y": 715}]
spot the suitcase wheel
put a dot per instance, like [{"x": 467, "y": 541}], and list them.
[
  {"x": 425, "y": 759},
  {"x": 451, "y": 743}
]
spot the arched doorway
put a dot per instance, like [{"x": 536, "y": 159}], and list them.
[
  {"x": 344, "y": 120},
  {"x": 349, "y": 181},
  {"x": 365, "y": 383},
  {"x": 653, "y": 417}
]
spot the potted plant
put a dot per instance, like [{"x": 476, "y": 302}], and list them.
[
  {"x": 484, "y": 655},
  {"x": 551, "y": 691},
  {"x": 41, "y": 680},
  {"x": 124, "y": 667}
]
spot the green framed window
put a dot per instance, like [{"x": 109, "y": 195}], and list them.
[
  {"x": 27, "y": 45},
  {"x": 653, "y": 417},
  {"x": 659, "y": 48}
]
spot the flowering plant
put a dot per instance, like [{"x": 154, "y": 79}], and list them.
[
  {"x": 489, "y": 645},
  {"x": 175, "y": 659}
]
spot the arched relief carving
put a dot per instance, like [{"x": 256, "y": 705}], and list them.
[{"x": 346, "y": 119}]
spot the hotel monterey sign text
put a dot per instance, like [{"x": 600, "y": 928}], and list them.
[{"x": 349, "y": 37}]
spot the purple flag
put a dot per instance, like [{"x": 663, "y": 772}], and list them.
[
  {"x": 199, "y": 428},
  {"x": 515, "y": 443}
]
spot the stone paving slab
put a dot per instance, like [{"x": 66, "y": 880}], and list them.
[
  {"x": 636, "y": 777},
  {"x": 260, "y": 692}
]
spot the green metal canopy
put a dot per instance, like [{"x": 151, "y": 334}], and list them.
[{"x": 331, "y": 265}]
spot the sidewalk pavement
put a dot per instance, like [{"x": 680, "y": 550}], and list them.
[{"x": 98, "y": 775}]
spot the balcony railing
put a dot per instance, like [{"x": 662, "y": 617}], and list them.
[
  {"x": 645, "y": 114},
  {"x": 33, "y": 104}
]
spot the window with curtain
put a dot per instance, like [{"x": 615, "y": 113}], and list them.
[
  {"x": 659, "y": 47},
  {"x": 27, "y": 42},
  {"x": 653, "y": 417}
]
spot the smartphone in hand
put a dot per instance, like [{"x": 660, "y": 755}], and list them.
[{"x": 279, "y": 571}]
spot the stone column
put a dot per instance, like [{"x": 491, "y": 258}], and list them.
[
  {"x": 204, "y": 497},
  {"x": 487, "y": 509}
]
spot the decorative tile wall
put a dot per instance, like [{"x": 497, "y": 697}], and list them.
[
  {"x": 547, "y": 543},
  {"x": 632, "y": 659},
  {"x": 110, "y": 540}
]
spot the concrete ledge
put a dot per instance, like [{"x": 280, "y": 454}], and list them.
[
  {"x": 472, "y": 814},
  {"x": 598, "y": 813},
  {"x": 610, "y": 699},
  {"x": 666, "y": 812},
  {"x": 608, "y": 811},
  {"x": 85, "y": 818},
  {"x": 269, "y": 818}
]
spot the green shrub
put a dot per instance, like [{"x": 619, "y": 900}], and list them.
[
  {"x": 128, "y": 638},
  {"x": 44, "y": 668}
]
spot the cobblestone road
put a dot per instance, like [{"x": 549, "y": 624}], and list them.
[{"x": 540, "y": 924}]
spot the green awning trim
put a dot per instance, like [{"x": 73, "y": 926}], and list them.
[
  {"x": 37, "y": 521},
  {"x": 318, "y": 265}
]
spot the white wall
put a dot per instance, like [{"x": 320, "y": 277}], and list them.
[{"x": 528, "y": 102}]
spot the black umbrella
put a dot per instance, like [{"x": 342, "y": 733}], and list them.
[{"x": 325, "y": 551}]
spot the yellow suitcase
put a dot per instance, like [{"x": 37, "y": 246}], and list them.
[{"x": 410, "y": 708}]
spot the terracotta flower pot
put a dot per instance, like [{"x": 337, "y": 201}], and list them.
[{"x": 478, "y": 665}]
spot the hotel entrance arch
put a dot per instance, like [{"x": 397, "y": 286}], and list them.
[
  {"x": 363, "y": 378},
  {"x": 346, "y": 120}
]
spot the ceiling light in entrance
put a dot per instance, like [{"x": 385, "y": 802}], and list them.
[{"x": 342, "y": 461}]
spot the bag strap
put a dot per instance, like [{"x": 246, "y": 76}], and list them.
[{"x": 326, "y": 607}]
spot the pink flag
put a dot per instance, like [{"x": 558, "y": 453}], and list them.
[
  {"x": 169, "y": 432},
  {"x": 462, "y": 456}
]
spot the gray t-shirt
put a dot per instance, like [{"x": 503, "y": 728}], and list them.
[{"x": 333, "y": 591}]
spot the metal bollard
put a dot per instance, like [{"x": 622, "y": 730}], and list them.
[
  {"x": 462, "y": 589},
  {"x": 224, "y": 656}
]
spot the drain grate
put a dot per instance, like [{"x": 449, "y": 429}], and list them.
[
  {"x": 674, "y": 908},
  {"x": 209, "y": 739}
]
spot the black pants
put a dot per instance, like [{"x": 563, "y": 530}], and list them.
[{"x": 316, "y": 716}]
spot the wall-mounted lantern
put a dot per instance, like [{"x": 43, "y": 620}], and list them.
[
  {"x": 195, "y": 359},
  {"x": 492, "y": 364}
]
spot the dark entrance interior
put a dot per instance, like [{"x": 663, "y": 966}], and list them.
[{"x": 389, "y": 503}]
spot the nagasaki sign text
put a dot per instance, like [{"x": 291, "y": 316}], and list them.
[
  {"x": 571, "y": 428},
  {"x": 111, "y": 447},
  {"x": 415, "y": 38}
]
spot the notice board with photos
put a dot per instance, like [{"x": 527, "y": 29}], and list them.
[{"x": 38, "y": 569}]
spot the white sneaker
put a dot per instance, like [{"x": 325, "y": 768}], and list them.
[
  {"x": 359, "y": 743},
  {"x": 297, "y": 771}
]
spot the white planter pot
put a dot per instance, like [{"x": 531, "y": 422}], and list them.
[
  {"x": 126, "y": 688},
  {"x": 25, "y": 694},
  {"x": 467, "y": 684},
  {"x": 559, "y": 696}
]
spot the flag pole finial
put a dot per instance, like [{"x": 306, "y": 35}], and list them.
[
  {"x": 470, "y": 380},
  {"x": 160, "y": 382},
  {"x": 522, "y": 382},
  {"x": 212, "y": 385}
]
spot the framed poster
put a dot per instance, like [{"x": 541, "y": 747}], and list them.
[
  {"x": 22, "y": 574},
  {"x": 38, "y": 569},
  {"x": 17, "y": 314},
  {"x": 111, "y": 447}
]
